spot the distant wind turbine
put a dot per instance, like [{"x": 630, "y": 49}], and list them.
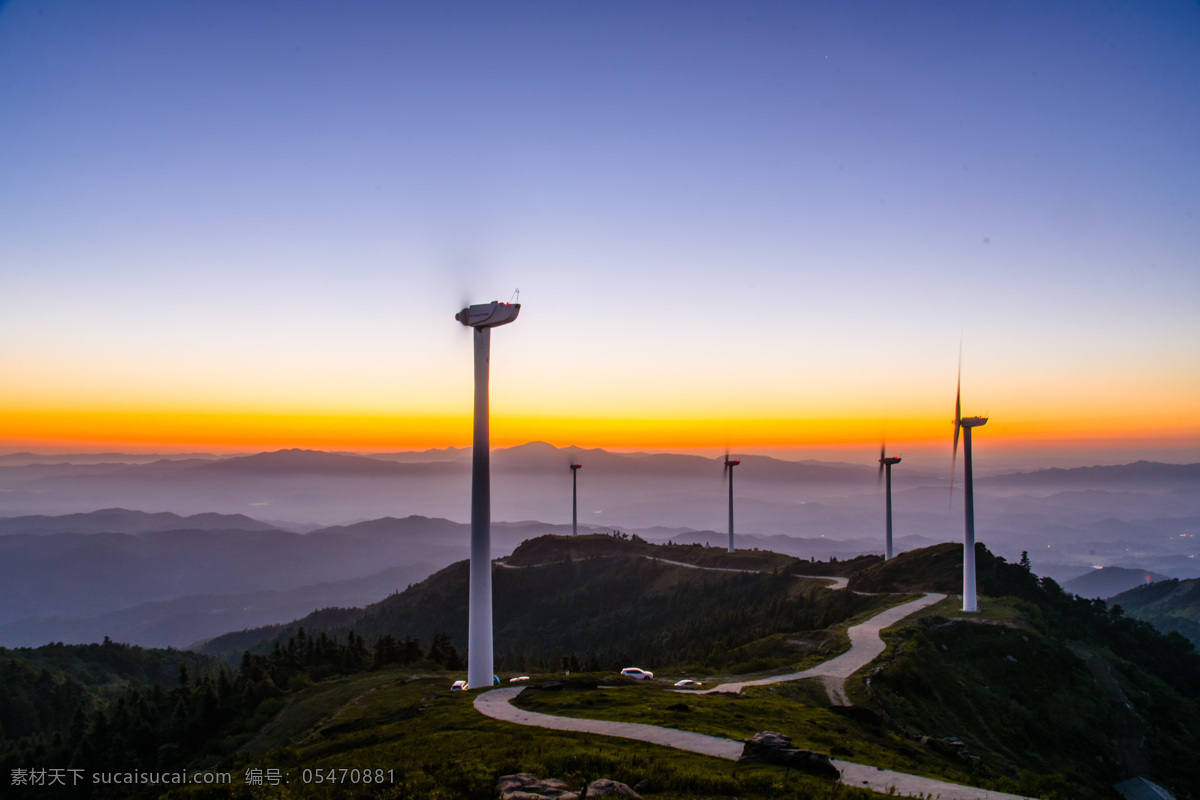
[
  {"x": 482, "y": 317},
  {"x": 729, "y": 465},
  {"x": 575, "y": 499},
  {"x": 885, "y": 467},
  {"x": 970, "y": 602}
]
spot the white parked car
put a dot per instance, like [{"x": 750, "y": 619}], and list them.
[
  {"x": 635, "y": 672},
  {"x": 688, "y": 683},
  {"x": 518, "y": 678},
  {"x": 458, "y": 686}
]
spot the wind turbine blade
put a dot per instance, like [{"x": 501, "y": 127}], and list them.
[
  {"x": 882, "y": 456},
  {"x": 957, "y": 422},
  {"x": 958, "y": 393}
]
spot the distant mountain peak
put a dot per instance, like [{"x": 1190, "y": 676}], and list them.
[{"x": 297, "y": 461}]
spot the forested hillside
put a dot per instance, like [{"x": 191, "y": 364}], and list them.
[
  {"x": 603, "y": 600},
  {"x": 1170, "y": 605},
  {"x": 1042, "y": 682}
]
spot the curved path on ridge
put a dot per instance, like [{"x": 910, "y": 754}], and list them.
[
  {"x": 865, "y": 646},
  {"x": 836, "y": 583}
]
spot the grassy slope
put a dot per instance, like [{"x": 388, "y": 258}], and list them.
[
  {"x": 620, "y": 609},
  {"x": 438, "y": 746},
  {"x": 1029, "y": 704},
  {"x": 1045, "y": 721},
  {"x": 800, "y": 709}
]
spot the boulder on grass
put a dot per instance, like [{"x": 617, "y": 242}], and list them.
[
  {"x": 606, "y": 788},
  {"x": 772, "y": 747},
  {"x": 524, "y": 786}
]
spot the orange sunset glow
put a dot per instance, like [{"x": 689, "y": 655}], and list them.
[{"x": 89, "y": 430}]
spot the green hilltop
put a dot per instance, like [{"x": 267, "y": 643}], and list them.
[
  {"x": 598, "y": 600},
  {"x": 1041, "y": 693}
]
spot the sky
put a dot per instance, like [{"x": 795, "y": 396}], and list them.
[{"x": 230, "y": 226}]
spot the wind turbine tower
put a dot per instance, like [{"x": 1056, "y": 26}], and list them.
[
  {"x": 970, "y": 602},
  {"x": 575, "y": 498},
  {"x": 885, "y": 467},
  {"x": 729, "y": 465},
  {"x": 482, "y": 317}
]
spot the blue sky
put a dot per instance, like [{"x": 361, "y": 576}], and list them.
[{"x": 778, "y": 210}]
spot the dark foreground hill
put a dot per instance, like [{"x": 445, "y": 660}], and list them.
[{"x": 604, "y": 600}]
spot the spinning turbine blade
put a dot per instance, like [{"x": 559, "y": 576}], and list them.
[{"x": 957, "y": 423}]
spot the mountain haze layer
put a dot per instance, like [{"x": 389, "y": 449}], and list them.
[{"x": 1139, "y": 516}]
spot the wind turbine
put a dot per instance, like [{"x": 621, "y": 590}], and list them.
[
  {"x": 482, "y": 317},
  {"x": 885, "y": 466},
  {"x": 575, "y": 499},
  {"x": 729, "y": 465},
  {"x": 970, "y": 602}
]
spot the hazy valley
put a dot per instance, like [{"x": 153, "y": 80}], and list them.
[{"x": 222, "y": 544}]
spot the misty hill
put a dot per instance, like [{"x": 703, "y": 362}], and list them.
[
  {"x": 530, "y": 481},
  {"x": 1141, "y": 474},
  {"x": 25, "y": 459},
  {"x": 122, "y": 520},
  {"x": 67, "y": 585},
  {"x": 309, "y": 462},
  {"x": 824, "y": 509},
  {"x": 1110, "y": 581},
  {"x": 183, "y": 621},
  {"x": 1169, "y": 605}
]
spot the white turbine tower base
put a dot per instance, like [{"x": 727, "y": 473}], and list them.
[
  {"x": 965, "y": 424},
  {"x": 885, "y": 468},
  {"x": 482, "y": 318},
  {"x": 729, "y": 465},
  {"x": 575, "y": 499},
  {"x": 970, "y": 601}
]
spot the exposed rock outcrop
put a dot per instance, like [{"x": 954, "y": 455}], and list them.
[
  {"x": 776, "y": 748},
  {"x": 524, "y": 786},
  {"x": 608, "y": 788}
]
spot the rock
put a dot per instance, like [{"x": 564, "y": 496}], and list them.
[
  {"x": 764, "y": 743},
  {"x": 606, "y": 788},
  {"x": 776, "y": 748},
  {"x": 642, "y": 786},
  {"x": 524, "y": 786}
]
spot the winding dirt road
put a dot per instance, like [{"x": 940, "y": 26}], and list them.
[{"x": 865, "y": 646}]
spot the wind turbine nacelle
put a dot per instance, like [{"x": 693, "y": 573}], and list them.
[
  {"x": 488, "y": 315},
  {"x": 973, "y": 422}
]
